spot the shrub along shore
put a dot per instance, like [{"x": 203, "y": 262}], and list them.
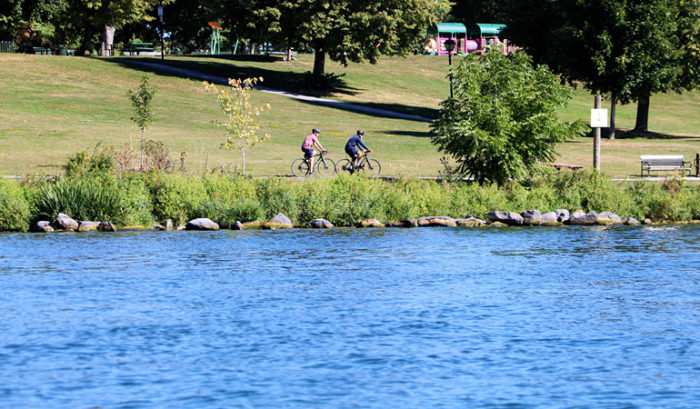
[{"x": 145, "y": 200}]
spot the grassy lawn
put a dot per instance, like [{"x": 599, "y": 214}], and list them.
[{"x": 52, "y": 107}]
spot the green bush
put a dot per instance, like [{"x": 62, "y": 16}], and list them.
[
  {"x": 97, "y": 162},
  {"x": 277, "y": 196},
  {"x": 502, "y": 121},
  {"x": 137, "y": 207},
  {"x": 14, "y": 207},
  {"x": 354, "y": 199},
  {"x": 176, "y": 197}
]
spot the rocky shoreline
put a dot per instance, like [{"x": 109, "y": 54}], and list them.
[{"x": 494, "y": 219}]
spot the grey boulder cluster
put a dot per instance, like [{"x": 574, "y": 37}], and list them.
[
  {"x": 64, "y": 222},
  {"x": 558, "y": 217},
  {"x": 496, "y": 218}
]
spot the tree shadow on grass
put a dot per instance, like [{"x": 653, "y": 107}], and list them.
[
  {"x": 632, "y": 134},
  {"x": 425, "y": 112},
  {"x": 619, "y": 134},
  {"x": 290, "y": 81},
  {"x": 414, "y": 134}
]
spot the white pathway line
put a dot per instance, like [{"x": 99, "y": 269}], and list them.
[{"x": 322, "y": 101}]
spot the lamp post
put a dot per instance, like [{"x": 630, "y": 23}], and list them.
[
  {"x": 162, "y": 27},
  {"x": 450, "y": 46}
]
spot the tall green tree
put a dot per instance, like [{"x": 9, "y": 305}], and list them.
[
  {"x": 30, "y": 21},
  {"x": 344, "y": 30},
  {"x": 625, "y": 49},
  {"x": 478, "y": 11},
  {"x": 502, "y": 120}
]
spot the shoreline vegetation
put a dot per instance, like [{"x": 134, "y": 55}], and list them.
[{"x": 167, "y": 200}]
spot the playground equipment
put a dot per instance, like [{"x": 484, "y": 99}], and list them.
[
  {"x": 214, "y": 45},
  {"x": 476, "y": 39}
]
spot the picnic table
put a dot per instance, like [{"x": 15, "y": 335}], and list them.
[{"x": 560, "y": 166}]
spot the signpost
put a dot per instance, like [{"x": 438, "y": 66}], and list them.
[{"x": 599, "y": 119}]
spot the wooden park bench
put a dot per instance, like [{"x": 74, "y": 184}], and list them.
[
  {"x": 664, "y": 163},
  {"x": 137, "y": 48},
  {"x": 560, "y": 166}
]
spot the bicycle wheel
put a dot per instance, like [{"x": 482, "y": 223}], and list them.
[
  {"x": 371, "y": 167},
  {"x": 300, "y": 167},
  {"x": 325, "y": 167},
  {"x": 342, "y": 166}
]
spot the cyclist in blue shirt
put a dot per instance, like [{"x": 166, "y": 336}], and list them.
[{"x": 355, "y": 148}]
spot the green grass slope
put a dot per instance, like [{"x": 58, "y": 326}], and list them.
[{"x": 52, "y": 107}]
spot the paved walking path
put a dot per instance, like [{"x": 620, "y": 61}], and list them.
[{"x": 321, "y": 101}]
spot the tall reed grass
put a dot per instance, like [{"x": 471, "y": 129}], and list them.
[{"x": 140, "y": 199}]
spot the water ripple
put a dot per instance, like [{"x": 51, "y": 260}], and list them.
[{"x": 572, "y": 317}]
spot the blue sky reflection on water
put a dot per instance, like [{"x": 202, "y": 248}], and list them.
[{"x": 429, "y": 317}]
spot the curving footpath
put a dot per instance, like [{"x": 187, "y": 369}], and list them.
[{"x": 321, "y": 101}]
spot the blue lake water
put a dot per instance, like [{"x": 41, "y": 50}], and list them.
[{"x": 568, "y": 317}]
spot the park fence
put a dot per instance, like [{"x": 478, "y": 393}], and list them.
[{"x": 7, "y": 47}]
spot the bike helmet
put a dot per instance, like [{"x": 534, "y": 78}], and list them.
[
  {"x": 360, "y": 132},
  {"x": 315, "y": 130}
]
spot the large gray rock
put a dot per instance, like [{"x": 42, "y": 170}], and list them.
[
  {"x": 42, "y": 227},
  {"x": 370, "y": 223},
  {"x": 280, "y": 218},
  {"x": 551, "y": 219},
  {"x": 65, "y": 222},
  {"x": 238, "y": 226},
  {"x": 532, "y": 217},
  {"x": 509, "y": 218},
  {"x": 562, "y": 215},
  {"x": 608, "y": 218},
  {"x": 87, "y": 226},
  {"x": 280, "y": 221},
  {"x": 581, "y": 218},
  {"x": 201, "y": 223},
  {"x": 431, "y": 221},
  {"x": 404, "y": 223},
  {"x": 106, "y": 226},
  {"x": 321, "y": 224},
  {"x": 630, "y": 221},
  {"x": 470, "y": 222}
]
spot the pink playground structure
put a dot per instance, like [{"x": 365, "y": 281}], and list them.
[{"x": 479, "y": 36}]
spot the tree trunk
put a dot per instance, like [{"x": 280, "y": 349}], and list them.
[
  {"x": 107, "y": 40},
  {"x": 243, "y": 153},
  {"x": 86, "y": 47},
  {"x": 143, "y": 131},
  {"x": 319, "y": 62},
  {"x": 613, "y": 104},
  {"x": 642, "y": 122},
  {"x": 252, "y": 48}
]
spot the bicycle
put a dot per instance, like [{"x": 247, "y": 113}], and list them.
[
  {"x": 322, "y": 166},
  {"x": 366, "y": 166}
]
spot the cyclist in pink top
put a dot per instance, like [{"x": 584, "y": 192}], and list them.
[{"x": 308, "y": 147}]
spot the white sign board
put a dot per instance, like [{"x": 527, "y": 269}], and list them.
[{"x": 599, "y": 118}]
